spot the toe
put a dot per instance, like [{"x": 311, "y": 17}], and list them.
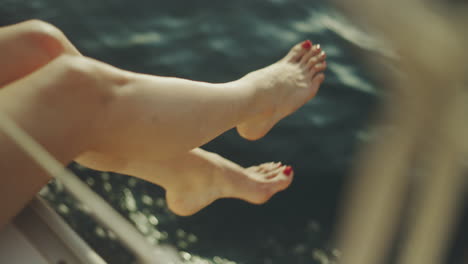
[
  {"x": 285, "y": 171},
  {"x": 288, "y": 171},
  {"x": 259, "y": 169},
  {"x": 272, "y": 174},
  {"x": 312, "y": 62},
  {"x": 298, "y": 51},
  {"x": 318, "y": 79},
  {"x": 310, "y": 53},
  {"x": 266, "y": 167},
  {"x": 256, "y": 169},
  {"x": 262, "y": 168},
  {"x": 281, "y": 178},
  {"x": 287, "y": 175},
  {"x": 278, "y": 165},
  {"x": 318, "y": 67},
  {"x": 273, "y": 166},
  {"x": 320, "y": 57},
  {"x": 264, "y": 185}
]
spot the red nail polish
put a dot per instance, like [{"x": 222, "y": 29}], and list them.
[
  {"x": 288, "y": 170},
  {"x": 307, "y": 44}
]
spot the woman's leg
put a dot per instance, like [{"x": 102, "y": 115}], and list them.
[
  {"x": 106, "y": 90},
  {"x": 197, "y": 178},
  {"x": 27, "y": 46},
  {"x": 36, "y": 43},
  {"x": 252, "y": 103},
  {"x": 162, "y": 117},
  {"x": 48, "y": 104},
  {"x": 174, "y": 115}
]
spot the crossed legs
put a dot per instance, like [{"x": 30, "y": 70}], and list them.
[{"x": 148, "y": 126}]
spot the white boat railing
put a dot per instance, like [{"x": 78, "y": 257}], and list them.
[
  {"x": 49, "y": 235},
  {"x": 100, "y": 210}
]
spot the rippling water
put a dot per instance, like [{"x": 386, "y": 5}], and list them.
[{"x": 220, "y": 41}]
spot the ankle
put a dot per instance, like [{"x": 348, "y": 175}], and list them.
[{"x": 256, "y": 97}]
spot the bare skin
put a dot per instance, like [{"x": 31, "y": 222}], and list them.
[
  {"x": 195, "y": 179},
  {"x": 141, "y": 125}
]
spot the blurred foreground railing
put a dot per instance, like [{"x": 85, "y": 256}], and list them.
[
  {"x": 100, "y": 210},
  {"x": 426, "y": 113}
]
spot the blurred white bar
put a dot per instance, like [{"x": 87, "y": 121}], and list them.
[
  {"x": 425, "y": 112},
  {"x": 52, "y": 237},
  {"x": 442, "y": 188},
  {"x": 16, "y": 249},
  {"x": 97, "y": 207}
]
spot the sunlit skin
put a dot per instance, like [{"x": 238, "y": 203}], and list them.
[{"x": 146, "y": 126}]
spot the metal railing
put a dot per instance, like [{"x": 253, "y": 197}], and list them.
[{"x": 99, "y": 209}]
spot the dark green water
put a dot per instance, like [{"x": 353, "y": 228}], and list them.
[{"x": 220, "y": 41}]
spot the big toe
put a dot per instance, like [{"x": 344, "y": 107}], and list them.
[{"x": 298, "y": 51}]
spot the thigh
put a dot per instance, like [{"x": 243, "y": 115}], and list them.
[
  {"x": 27, "y": 46},
  {"x": 56, "y": 105}
]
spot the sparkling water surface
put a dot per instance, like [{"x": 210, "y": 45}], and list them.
[{"x": 220, "y": 41}]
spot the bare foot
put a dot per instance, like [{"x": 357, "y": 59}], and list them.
[
  {"x": 256, "y": 184},
  {"x": 284, "y": 86},
  {"x": 197, "y": 178}
]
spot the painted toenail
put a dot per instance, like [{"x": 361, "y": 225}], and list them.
[
  {"x": 307, "y": 44},
  {"x": 287, "y": 171}
]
